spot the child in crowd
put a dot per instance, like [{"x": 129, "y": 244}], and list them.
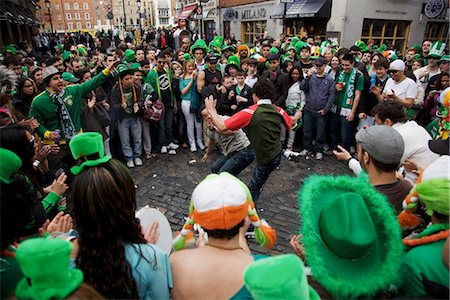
[
  {"x": 243, "y": 92},
  {"x": 227, "y": 104},
  {"x": 252, "y": 76}
]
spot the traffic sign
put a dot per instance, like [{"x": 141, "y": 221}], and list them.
[
  {"x": 47, "y": 17},
  {"x": 199, "y": 10},
  {"x": 110, "y": 16}
]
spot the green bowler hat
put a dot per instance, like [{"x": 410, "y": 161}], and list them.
[
  {"x": 351, "y": 236},
  {"x": 89, "y": 148},
  {"x": 45, "y": 266},
  {"x": 10, "y": 164},
  {"x": 280, "y": 277}
]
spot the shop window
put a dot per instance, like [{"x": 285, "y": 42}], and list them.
[
  {"x": 392, "y": 33},
  {"x": 250, "y": 30},
  {"x": 70, "y": 25},
  {"x": 313, "y": 28},
  {"x": 437, "y": 31}
]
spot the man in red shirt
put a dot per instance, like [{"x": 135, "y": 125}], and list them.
[{"x": 263, "y": 123}]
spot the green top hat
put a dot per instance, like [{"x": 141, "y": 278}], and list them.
[
  {"x": 199, "y": 44},
  {"x": 228, "y": 47},
  {"x": 362, "y": 46},
  {"x": 45, "y": 266},
  {"x": 218, "y": 39},
  {"x": 187, "y": 57},
  {"x": 351, "y": 236},
  {"x": 66, "y": 76},
  {"x": 10, "y": 164},
  {"x": 233, "y": 61},
  {"x": 67, "y": 55},
  {"x": 130, "y": 55},
  {"x": 278, "y": 277},
  {"x": 299, "y": 46},
  {"x": 88, "y": 146},
  {"x": 437, "y": 49}
]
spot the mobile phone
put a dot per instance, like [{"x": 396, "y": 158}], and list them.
[{"x": 59, "y": 172}]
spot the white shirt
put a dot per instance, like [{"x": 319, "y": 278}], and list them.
[
  {"x": 423, "y": 76},
  {"x": 416, "y": 150},
  {"x": 405, "y": 89}
]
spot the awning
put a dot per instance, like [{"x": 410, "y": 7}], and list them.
[
  {"x": 278, "y": 12},
  {"x": 309, "y": 9},
  {"x": 186, "y": 12}
]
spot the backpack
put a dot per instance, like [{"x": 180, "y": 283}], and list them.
[{"x": 153, "y": 113}]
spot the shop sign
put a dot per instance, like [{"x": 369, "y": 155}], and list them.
[
  {"x": 253, "y": 14},
  {"x": 230, "y": 14}
]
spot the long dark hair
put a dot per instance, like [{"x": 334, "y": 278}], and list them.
[
  {"x": 297, "y": 67},
  {"x": 14, "y": 138},
  {"x": 104, "y": 209}
]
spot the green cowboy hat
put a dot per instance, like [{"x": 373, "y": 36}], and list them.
[
  {"x": 436, "y": 50},
  {"x": 45, "y": 266},
  {"x": 233, "y": 61},
  {"x": 351, "y": 236},
  {"x": 280, "y": 277},
  {"x": 10, "y": 165},
  {"x": 86, "y": 145},
  {"x": 199, "y": 44}
]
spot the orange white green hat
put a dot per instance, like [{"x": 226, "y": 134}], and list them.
[{"x": 222, "y": 201}]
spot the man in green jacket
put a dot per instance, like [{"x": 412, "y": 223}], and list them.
[
  {"x": 58, "y": 111},
  {"x": 161, "y": 81}
]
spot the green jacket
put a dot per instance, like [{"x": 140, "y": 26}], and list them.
[
  {"x": 44, "y": 110},
  {"x": 153, "y": 80}
]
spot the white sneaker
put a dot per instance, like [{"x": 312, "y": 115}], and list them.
[
  {"x": 130, "y": 164},
  {"x": 172, "y": 152},
  {"x": 138, "y": 161},
  {"x": 163, "y": 150},
  {"x": 319, "y": 156},
  {"x": 193, "y": 148},
  {"x": 173, "y": 146},
  {"x": 201, "y": 145},
  {"x": 304, "y": 152}
]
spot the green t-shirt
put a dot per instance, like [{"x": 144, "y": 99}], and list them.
[
  {"x": 342, "y": 95},
  {"x": 128, "y": 96}
]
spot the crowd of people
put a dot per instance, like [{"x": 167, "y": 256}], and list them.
[{"x": 77, "y": 114}]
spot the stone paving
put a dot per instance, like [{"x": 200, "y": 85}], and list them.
[{"x": 167, "y": 182}]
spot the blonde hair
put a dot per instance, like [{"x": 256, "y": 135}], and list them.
[{"x": 185, "y": 65}]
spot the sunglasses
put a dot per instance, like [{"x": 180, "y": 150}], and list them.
[{"x": 392, "y": 71}]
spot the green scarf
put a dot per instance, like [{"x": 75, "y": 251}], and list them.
[
  {"x": 68, "y": 128},
  {"x": 349, "y": 89}
]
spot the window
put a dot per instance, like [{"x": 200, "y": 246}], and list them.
[
  {"x": 68, "y": 16},
  {"x": 76, "y": 6},
  {"x": 57, "y": 6},
  {"x": 392, "y": 33},
  {"x": 85, "y": 6},
  {"x": 60, "y": 27},
  {"x": 58, "y": 17},
  {"x": 78, "y": 25},
  {"x": 86, "y": 16},
  {"x": 251, "y": 29},
  {"x": 70, "y": 25},
  {"x": 77, "y": 16},
  {"x": 163, "y": 13},
  {"x": 67, "y": 6},
  {"x": 163, "y": 21},
  {"x": 437, "y": 31},
  {"x": 88, "y": 25}
]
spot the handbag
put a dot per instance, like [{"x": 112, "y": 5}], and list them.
[{"x": 153, "y": 113}]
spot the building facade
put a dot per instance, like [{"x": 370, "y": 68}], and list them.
[
  {"x": 17, "y": 21},
  {"x": 133, "y": 13}
]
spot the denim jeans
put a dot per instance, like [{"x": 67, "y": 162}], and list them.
[
  {"x": 314, "y": 121},
  {"x": 131, "y": 127},
  {"x": 165, "y": 127},
  {"x": 260, "y": 176},
  {"x": 341, "y": 131},
  {"x": 235, "y": 162}
]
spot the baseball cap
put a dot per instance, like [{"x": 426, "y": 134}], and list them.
[
  {"x": 382, "y": 142},
  {"x": 320, "y": 61},
  {"x": 273, "y": 56},
  {"x": 397, "y": 65},
  {"x": 66, "y": 76},
  {"x": 211, "y": 58},
  {"x": 440, "y": 147}
]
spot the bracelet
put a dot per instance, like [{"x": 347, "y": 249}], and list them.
[{"x": 348, "y": 160}]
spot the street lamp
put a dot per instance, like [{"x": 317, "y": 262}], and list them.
[
  {"x": 138, "y": 3},
  {"x": 48, "y": 4}
]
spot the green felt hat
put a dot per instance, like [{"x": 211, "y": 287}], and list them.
[
  {"x": 351, "y": 236},
  {"x": 66, "y": 76},
  {"x": 233, "y": 61},
  {"x": 299, "y": 46},
  {"x": 417, "y": 48},
  {"x": 135, "y": 66},
  {"x": 382, "y": 48},
  {"x": 130, "y": 55},
  {"x": 88, "y": 146},
  {"x": 122, "y": 70},
  {"x": 214, "y": 47},
  {"x": 437, "y": 49},
  {"x": 228, "y": 47},
  {"x": 218, "y": 39},
  {"x": 10, "y": 164},
  {"x": 45, "y": 266},
  {"x": 199, "y": 44},
  {"x": 187, "y": 57},
  {"x": 274, "y": 50},
  {"x": 67, "y": 55},
  {"x": 444, "y": 58},
  {"x": 362, "y": 46},
  {"x": 11, "y": 49},
  {"x": 278, "y": 277}
]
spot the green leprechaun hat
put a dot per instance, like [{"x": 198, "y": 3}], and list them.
[
  {"x": 437, "y": 49},
  {"x": 88, "y": 149},
  {"x": 280, "y": 277},
  {"x": 299, "y": 46},
  {"x": 199, "y": 44},
  {"x": 444, "y": 58},
  {"x": 228, "y": 47},
  {"x": 187, "y": 57},
  {"x": 45, "y": 264},
  {"x": 10, "y": 164},
  {"x": 362, "y": 46},
  {"x": 351, "y": 236},
  {"x": 233, "y": 61},
  {"x": 67, "y": 55},
  {"x": 130, "y": 55},
  {"x": 121, "y": 70},
  {"x": 82, "y": 51}
]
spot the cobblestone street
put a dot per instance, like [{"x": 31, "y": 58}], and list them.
[{"x": 168, "y": 181}]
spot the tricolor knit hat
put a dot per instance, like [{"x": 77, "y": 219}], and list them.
[
  {"x": 432, "y": 189},
  {"x": 10, "y": 164},
  {"x": 88, "y": 147},
  {"x": 222, "y": 202},
  {"x": 8, "y": 80},
  {"x": 280, "y": 277}
]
